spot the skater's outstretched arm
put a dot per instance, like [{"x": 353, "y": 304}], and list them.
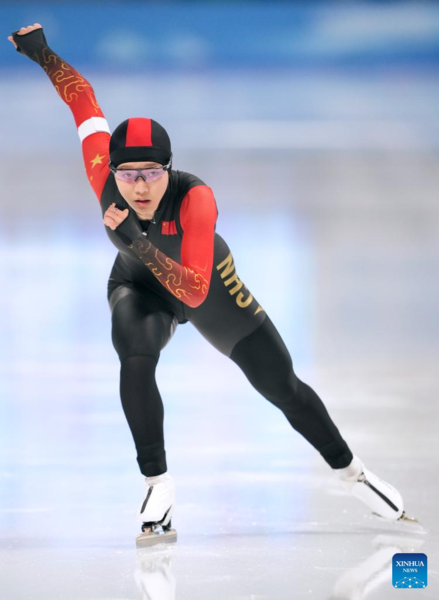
[{"x": 78, "y": 94}]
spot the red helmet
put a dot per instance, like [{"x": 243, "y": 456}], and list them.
[{"x": 140, "y": 139}]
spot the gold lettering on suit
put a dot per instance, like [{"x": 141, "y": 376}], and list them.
[{"x": 228, "y": 267}]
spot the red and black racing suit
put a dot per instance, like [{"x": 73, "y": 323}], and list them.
[{"x": 182, "y": 270}]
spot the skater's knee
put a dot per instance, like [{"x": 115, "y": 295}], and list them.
[
  {"x": 283, "y": 389},
  {"x": 293, "y": 382},
  {"x": 143, "y": 362},
  {"x": 138, "y": 335},
  {"x": 132, "y": 348}
]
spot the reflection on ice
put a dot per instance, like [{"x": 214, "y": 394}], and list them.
[
  {"x": 376, "y": 570},
  {"x": 156, "y": 580},
  {"x": 153, "y": 575}
]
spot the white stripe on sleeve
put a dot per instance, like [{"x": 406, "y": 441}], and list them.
[{"x": 92, "y": 125}]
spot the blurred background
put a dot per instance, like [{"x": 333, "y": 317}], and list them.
[{"x": 316, "y": 124}]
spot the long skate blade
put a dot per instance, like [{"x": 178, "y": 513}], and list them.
[
  {"x": 408, "y": 519},
  {"x": 149, "y": 538},
  {"x": 410, "y": 522}
]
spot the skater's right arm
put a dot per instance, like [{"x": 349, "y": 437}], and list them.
[{"x": 78, "y": 94}]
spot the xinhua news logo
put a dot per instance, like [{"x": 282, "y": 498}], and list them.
[{"x": 409, "y": 571}]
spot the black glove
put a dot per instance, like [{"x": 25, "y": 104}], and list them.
[
  {"x": 130, "y": 228},
  {"x": 30, "y": 44}
]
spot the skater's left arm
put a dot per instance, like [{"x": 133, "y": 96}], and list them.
[{"x": 190, "y": 280}]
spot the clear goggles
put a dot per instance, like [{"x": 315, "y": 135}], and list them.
[{"x": 148, "y": 174}]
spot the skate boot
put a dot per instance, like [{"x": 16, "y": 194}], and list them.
[
  {"x": 383, "y": 499},
  {"x": 156, "y": 511}
]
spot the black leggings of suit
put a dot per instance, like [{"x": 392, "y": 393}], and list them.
[{"x": 141, "y": 329}]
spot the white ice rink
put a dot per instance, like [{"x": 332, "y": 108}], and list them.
[{"x": 336, "y": 235}]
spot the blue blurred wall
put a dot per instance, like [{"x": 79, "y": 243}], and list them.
[{"x": 130, "y": 35}]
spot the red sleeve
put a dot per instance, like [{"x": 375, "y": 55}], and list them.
[
  {"x": 198, "y": 215},
  {"x": 95, "y": 152},
  {"x": 93, "y": 129},
  {"x": 190, "y": 280}
]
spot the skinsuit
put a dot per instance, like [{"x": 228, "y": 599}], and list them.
[{"x": 173, "y": 269}]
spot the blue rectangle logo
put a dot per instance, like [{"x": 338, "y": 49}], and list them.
[{"x": 409, "y": 570}]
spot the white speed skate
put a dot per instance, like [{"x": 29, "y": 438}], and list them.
[
  {"x": 382, "y": 498},
  {"x": 156, "y": 511}
]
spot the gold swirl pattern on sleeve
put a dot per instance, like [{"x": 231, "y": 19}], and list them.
[
  {"x": 66, "y": 80},
  {"x": 183, "y": 282}
]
